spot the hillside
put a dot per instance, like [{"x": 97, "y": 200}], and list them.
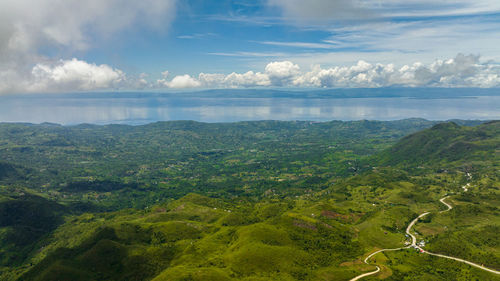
[
  {"x": 200, "y": 238},
  {"x": 285, "y": 201},
  {"x": 171, "y": 159},
  {"x": 447, "y": 142}
]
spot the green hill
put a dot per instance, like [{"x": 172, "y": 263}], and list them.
[
  {"x": 446, "y": 142},
  {"x": 24, "y": 220},
  {"x": 195, "y": 238},
  {"x": 246, "y": 201},
  {"x": 10, "y": 173}
]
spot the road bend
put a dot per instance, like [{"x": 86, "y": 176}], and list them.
[{"x": 414, "y": 245}]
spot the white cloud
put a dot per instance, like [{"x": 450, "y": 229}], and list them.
[
  {"x": 165, "y": 73},
  {"x": 212, "y": 80},
  {"x": 416, "y": 30},
  {"x": 282, "y": 73},
  {"x": 429, "y": 8},
  {"x": 180, "y": 82},
  {"x": 68, "y": 26},
  {"x": 234, "y": 80},
  {"x": 282, "y": 69},
  {"x": 74, "y": 75},
  {"x": 197, "y": 36},
  {"x": 77, "y": 75},
  {"x": 248, "y": 79},
  {"x": 276, "y": 74},
  {"x": 72, "y": 23},
  {"x": 461, "y": 71}
]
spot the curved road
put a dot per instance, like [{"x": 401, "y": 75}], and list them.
[
  {"x": 464, "y": 261},
  {"x": 447, "y": 205},
  {"x": 414, "y": 245},
  {"x": 366, "y": 274},
  {"x": 413, "y": 238}
]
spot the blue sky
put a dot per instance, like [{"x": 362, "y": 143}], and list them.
[{"x": 60, "y": 46}]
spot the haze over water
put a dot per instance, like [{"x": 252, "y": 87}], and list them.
[{"x": 232, "y": 106}]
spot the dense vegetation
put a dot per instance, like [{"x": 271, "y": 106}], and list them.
[{"x": 263, "y": 200}]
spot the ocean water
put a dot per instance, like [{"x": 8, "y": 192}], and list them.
[{"x": 231, "y": 106}]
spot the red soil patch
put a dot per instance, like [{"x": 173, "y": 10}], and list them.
[{"x": 303, "y": 224}]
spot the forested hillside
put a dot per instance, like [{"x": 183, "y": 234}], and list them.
[
  {"x": 248, "y": 201},
  {"x": 447, "y": 142}
]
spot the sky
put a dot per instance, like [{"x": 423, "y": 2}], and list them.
[{"x": 162, "y": 45}]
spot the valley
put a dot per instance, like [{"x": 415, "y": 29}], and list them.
[{"x": 266, "y": 200}]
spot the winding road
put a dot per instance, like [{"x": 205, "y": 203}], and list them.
[
  {"x": 414, "y": 245},
  {"x": 446, "y": 204}
]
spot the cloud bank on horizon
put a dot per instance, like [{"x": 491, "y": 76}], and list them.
[
  {"x": 64, "y": 46},
  {"x": 461, "y": 71}
]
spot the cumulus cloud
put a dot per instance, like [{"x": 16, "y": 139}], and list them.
[
  {"x": 276, "y": 74},
  {"x": 282, "y": 72},
  {"x": 165, "y": 73},
  {"x": 71, "y": 75},
  {"x": 234, "y": 80},
  {"x": 461, "y": 71},
  {"x": 248, "y": 79},
  {"x": 28, "y": 27},
  {"x": 180, "y": 82}
]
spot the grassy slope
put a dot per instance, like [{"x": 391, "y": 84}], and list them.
[
  {"x": 319, "y": 235},
  {"x": 453, "y": 156},
  {"x": 445, "y": 143},
  {"x": 198, "y": 237}
]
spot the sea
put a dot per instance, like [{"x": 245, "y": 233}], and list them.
[{"x": 228, "y": 105}]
